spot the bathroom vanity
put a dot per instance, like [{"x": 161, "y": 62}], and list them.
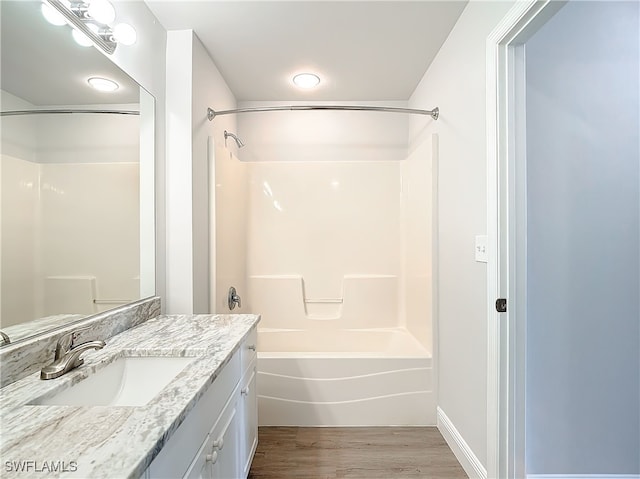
[
  {"x": 190, "y": 412},
  {"x": 226, "y": 416}
]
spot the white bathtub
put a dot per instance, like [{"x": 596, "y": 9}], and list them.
[{"x": 376, "y": 377}]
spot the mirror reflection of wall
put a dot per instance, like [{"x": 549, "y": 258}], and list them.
[
  {"x": 70, "y": 183},
  {"x": 70, "y": 215}
]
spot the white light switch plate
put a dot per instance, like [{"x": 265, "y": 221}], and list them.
[{"x": 481, "y": 249}]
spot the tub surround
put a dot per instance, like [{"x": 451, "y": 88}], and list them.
[
  {"x": 120, "y": 441},
  {"x": 346, "y": 330},
  {"x": 19, "y": 360}
]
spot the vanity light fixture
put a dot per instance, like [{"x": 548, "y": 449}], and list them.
[
  {"x": 92, "y": 19},
  {"x": 103, "y": 84},
  {"x": 51, "y": 15},
  {"x": 125, "y": 34},
  {"x": 306, "y": 80},
  {"x": 101, "y": 11},
  {"x": 81, "y": 39}
]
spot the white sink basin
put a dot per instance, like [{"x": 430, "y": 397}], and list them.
[{"x": 128, "y": 381}]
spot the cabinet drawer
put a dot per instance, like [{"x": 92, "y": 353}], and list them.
[{"x": 248, "y": 349}]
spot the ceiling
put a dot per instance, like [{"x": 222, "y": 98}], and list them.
[
  {"x": 362, "y": 50},
  {"x": 42, "y": 64}
]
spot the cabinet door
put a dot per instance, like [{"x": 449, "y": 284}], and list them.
[
  {"x": 200, "y": 468},
  {"x": 225, "y": 443},
  {"x": 249, "y": 407},
  {"x": 187, "y": 442},
  {"x": 218, "y": 458}
]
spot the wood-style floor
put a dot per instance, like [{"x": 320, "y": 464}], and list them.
[{"x": 357, "y": 452}]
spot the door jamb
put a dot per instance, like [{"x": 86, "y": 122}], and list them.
[{"x": 506, "y": 221}]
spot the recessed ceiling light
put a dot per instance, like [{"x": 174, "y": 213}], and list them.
[
  {"x": 103, "y": 84},
  {"x": 306, "y": 80}
]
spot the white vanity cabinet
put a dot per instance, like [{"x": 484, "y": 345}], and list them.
[
  {"x": 219, "y": 455},
  {"x": 248, "y": 402},
  {"x": 249, "y": 409},
  {"x": 219, "y": 436}
]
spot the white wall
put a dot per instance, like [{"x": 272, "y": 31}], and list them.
[
  {"x": 65, "y": 138},
  {"x": 18, "y": 132},
  {"x": 583, "y": 215},
  {"x": 179, "y": 216},
  {"x": 95, "y": 138},
  {"x": 323, "y": 135},
  {"x": 455, "y": 82},
  {"x": 145, "y": 62},
  {"x": 193, "y": 84},
  {"x": 209, "y": 90}
]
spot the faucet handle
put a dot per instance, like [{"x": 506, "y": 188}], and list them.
[
  {"x": 67, "y": 341},
  {"x": 233, "y": 298},
  {"x": 64, "y": 344}
]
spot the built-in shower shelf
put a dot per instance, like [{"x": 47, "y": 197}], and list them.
[
  {"x": 323, "y": 309},
  {"x": 368, "y": 301}
]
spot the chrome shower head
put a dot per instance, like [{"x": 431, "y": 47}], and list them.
[{"x": 238, "y": 140}]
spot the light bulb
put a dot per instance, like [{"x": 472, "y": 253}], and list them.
[
  {"x": 103, "y": 84},
  {"x": 81, "y": 39},
  {"x": 102, "y": 11},
  {"x": 51, "y": 15},
  {"x": 125, "y": 34},
  {"x": 306, "y": 80}
]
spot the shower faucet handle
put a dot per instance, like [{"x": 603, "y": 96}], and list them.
[{"x": 233, "y": 299}]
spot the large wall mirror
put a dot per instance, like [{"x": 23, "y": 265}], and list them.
[{"x": 77, "y": 215}]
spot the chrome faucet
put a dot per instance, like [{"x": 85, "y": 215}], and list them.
[{"x": 67, "y": 355}]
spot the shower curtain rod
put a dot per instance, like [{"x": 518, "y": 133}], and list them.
[
  {"x": 211, "y": 113},
  {"x": 67, "y": 110}
]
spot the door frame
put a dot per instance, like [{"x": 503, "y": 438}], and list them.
[{"x": 506, "y": 231}]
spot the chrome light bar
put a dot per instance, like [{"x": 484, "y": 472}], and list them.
[{"x": 76, "y": 17}]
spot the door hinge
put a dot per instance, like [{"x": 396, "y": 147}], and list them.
[{"x": 501, "y": 305}]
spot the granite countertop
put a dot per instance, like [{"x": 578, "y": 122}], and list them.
[{"x": 115, "y": 441}]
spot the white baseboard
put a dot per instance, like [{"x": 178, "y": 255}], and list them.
[
  {"x": 583, "y": 476},
  {"x": 468, "y": 460}
]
